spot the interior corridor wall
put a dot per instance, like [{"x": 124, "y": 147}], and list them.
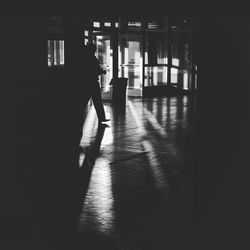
[{"x": 223, "y": 130}]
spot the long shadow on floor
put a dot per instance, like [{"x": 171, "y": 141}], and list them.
[
  {"x": 59, "y": 186},
  {"x": 91, "y": 155}
]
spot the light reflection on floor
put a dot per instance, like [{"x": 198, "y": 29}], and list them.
[
  {"x": 158, "y": 128},
  {"x": 136, "y": 118},
  {"x": 97, "y": 209},
  {"x": 138, "y": 147},
  {"x": 152, "y": 119},
  {"x": 156, "y": 169},
  {"x": 155, "y": 165}
]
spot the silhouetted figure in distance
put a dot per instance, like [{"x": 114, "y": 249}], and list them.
[{"x": 92, "y": 72}]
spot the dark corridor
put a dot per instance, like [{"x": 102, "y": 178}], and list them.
[{"x": 134, "y": 187}]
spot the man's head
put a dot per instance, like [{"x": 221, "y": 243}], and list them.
[{"x": 91, "y": 47}]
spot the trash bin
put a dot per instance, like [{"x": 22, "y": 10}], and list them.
[{"x": 119, "y": 91}]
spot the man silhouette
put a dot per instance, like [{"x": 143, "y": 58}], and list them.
[{"x": 93, "y": 70}]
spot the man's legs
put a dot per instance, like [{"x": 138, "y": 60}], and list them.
[
  {"x": 97, "y": 100},
  {"x": 81, "y": 116}
]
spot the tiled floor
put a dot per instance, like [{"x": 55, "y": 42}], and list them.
[
  {"x": 134, "y": 187},
  {"x": 140, "y": 191}
]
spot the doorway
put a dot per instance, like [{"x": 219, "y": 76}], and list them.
[
  {"x": 104, "y": 53},
  {"x": 130, "y": 62}
]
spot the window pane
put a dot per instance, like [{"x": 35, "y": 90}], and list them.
[
  {"x": 175, "y": 62},
  {"x": 134, "y": 24},
  {"x": 174, "y": 75},
  {"x": 180, "y": 78},
  {"x": 96, "y": 24},
  {"x": 162, "y": 50},
  {"x": 181, "y": 49},
  {"x": 61, "y": 52},
  {"x": 55, "y": 52},
  {"x": 107, "y": 24},
  {"x": 155, "y": 24},
  {"x": 156, "y": 76},
  {"x": 156, "y": 49},
  {"x": 50, "y": 53}
]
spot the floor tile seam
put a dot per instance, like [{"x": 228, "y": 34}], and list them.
[
  {"x": 139, "y": 133},
  {"x": 124, "y": 159},
  {"x": 119, "y": 160},
  {"x": 125, "y": 129}
]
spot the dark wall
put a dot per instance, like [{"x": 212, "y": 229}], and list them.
[
  {"x": 40, "y": 112},
  {"x": 23, "y": 65},
  {"x": 223, "y": 129}
]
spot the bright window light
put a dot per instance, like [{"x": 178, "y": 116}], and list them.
[
  {"x": 175, "y": 61},
  {"x": 55, "y": 52},
  {"x": 185, "y": 81},
  {"x": 134, "y": 24},
  {"x": 96, "y": 24},
  {"x": 174, "y": 75}
]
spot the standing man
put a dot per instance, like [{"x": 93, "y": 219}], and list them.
[{"x": 93, "y": 70}]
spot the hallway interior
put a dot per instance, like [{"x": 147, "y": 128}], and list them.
[
  {"x": 135, "y": 176},
  {"x": 133, "y": 186}
]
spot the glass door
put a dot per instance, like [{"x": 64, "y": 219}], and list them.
[
  {"x": 104, "y": 54},
  {"x": 130, "y": 62},
  {"x": 156, "y": 60}
]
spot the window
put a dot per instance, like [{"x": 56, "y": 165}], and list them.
[
  {"x": 180, "y": 78},
  {"x": 96, "y": 24},
  {"x": 86, "y": 40},
  {"x": 156, "y": 76},
  {"x": 181, "y": 49},
  {"x": 107, "y": 24},
  {"x": 86, "y": 37},
  {"x": 134, "y": 24},
  {"x": 155, "y": 24},
  {"x": 55, "y": 53},
  {"x": 156, "y": 49}
]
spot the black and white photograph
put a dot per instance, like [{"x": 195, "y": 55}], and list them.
[{"x": 124, "y": 128}]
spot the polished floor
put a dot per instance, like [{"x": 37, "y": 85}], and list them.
[
  {"x": 140, "y": 191},
  {"x": 129, "y": 186}
]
